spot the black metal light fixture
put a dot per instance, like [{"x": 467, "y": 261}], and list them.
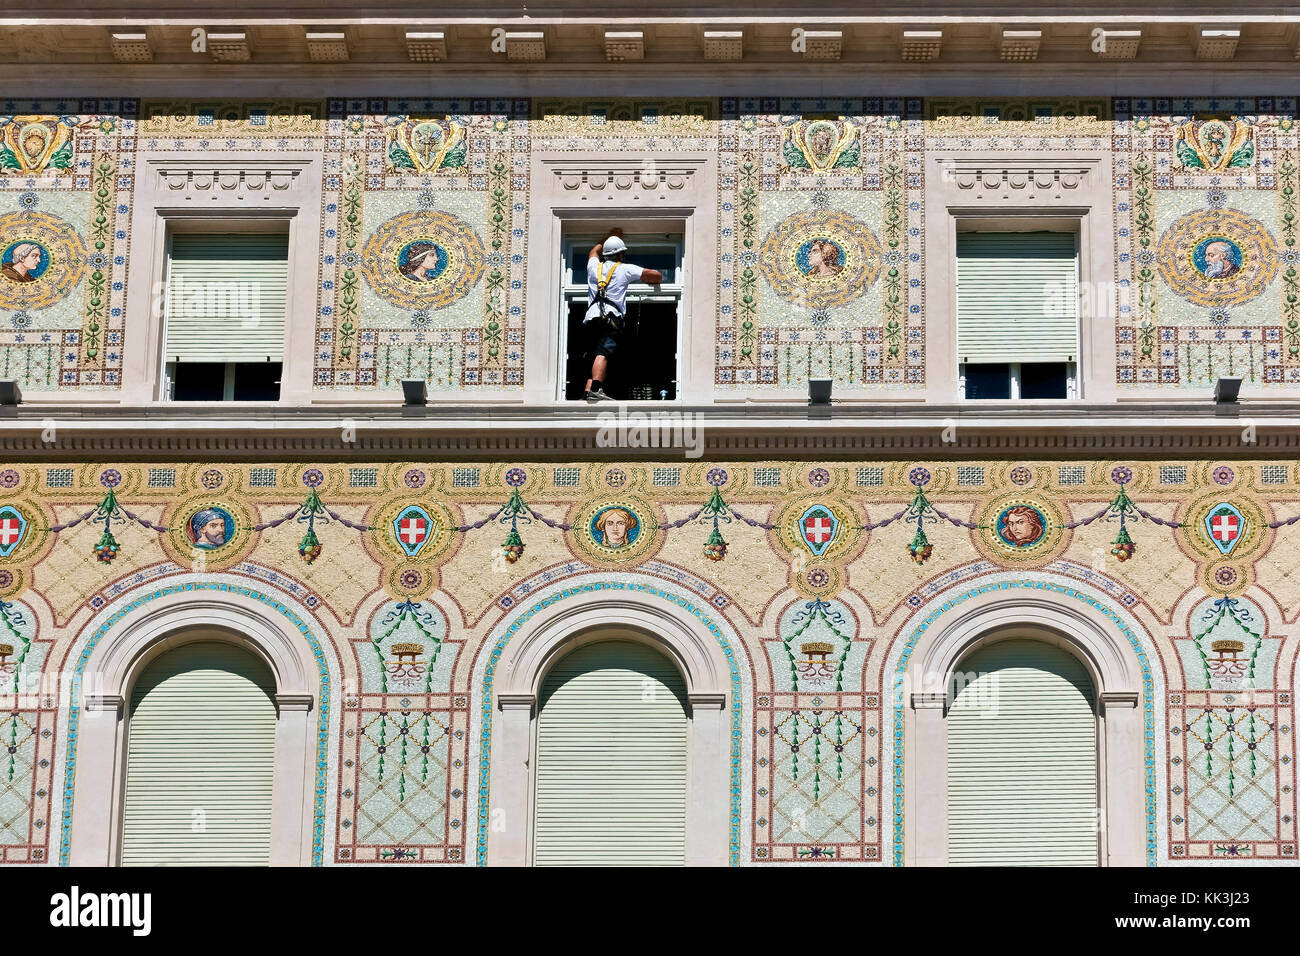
[
  {"x": 10, "y": 393},
  {"x": 415, "y": 392},
  {"x": 819, "y": 397},
  {"x": 1226, "y": 391}
]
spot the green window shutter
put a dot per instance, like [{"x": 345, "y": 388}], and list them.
[
  {"x": 226, "y": 297},
  {"x": 611, "y": 760},
  {"x": 201, "y": 737},
  {"x": 1022, "y": 759},
  {"x": 1017, "y": 297}
]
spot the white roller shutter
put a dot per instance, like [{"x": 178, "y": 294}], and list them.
[
  {"x": 611, "y": 760},
  {"x": 1022, "y": 759},
  {"x": 200, "y": 759},
  {"x": 1017, "y": 297},
  {"x": 226, "y": 297}
]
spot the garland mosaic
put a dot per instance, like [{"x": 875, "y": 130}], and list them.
[
  {"x": 413, "y": 575},
  {"x": 820, "y": 217}
]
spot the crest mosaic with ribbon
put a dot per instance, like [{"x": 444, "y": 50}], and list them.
[{"x": 820, "y": 145}]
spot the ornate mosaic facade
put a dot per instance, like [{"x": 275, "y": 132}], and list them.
[
  {"x": 820, "y": 261},
  {"x": 406, "y": 579}
]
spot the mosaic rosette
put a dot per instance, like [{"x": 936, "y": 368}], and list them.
[
  {"x": 412, "y": 581},
  {"x": 615, "y": 531},
  {"x": 1017, "y": 529},
  {"x": 825, "y": 276},
  {"x": 1217, "y": 257},
  {"x": 206, "y": 532},
  {"x": 818, "y": 579},
  {"x": 423, "y": 260},
  {"x": 42, "y": 259}
]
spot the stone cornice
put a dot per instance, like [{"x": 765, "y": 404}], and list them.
[{"x": 759, "y": 431}]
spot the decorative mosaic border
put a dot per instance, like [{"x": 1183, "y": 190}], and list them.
[
  {"x": 489, "y": 674},
  {"x": 322, "y": 723},
  {"x": 1148, "y": 699}
]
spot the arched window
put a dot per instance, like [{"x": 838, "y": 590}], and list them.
[
  {"x": 1022, "y": 758},
  {"x": 611, "y": 759},
  {"x": 200, "y": 759}
]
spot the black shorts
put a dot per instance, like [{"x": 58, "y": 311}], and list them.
[{"x": 604, "y": 336}]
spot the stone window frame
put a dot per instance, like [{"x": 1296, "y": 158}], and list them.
[{"x": 197, "y": 193}]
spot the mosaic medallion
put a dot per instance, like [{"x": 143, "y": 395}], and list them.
[
  {"x": 821, "y": 259},
  {"x": 1217, "y": 257},
  {"x": 205, "y": 531},
  {"x": 616, "y": 531},
  {"x": 42, "y": 259},
  {"x": 423, "y": 260},
  {"x": 1016, "y": 529},
  {"x": 1224, "y": 530},
  {"x": 816, "y": 526}
]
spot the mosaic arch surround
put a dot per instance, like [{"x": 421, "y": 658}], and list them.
[
  {"x": 231, "y": 586},
  {"x": 900, "y": 656},
  {"x": 595, "y": 588}
]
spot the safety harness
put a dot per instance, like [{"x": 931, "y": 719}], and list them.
[{"x": 610, "y": 315}]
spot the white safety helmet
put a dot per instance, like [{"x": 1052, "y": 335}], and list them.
[{"x": 612, "y": 247}]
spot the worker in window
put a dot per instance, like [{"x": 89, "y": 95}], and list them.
[{"x": 608, "y": 276}]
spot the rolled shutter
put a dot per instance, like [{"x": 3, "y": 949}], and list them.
[
  {"x": 611, "y": 760},
  {"x": 1017, "y": 297},
  {"x": 200, "y": 759},
  {"x": 226, "y": 297},
  {"x": 1022, "y": 759}
]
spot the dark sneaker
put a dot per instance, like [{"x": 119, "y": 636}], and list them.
[{"x": 597, "y": 395}]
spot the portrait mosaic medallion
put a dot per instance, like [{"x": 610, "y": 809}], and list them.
[
  {"x": 616, "y": 531},
  {"x": 821, "y": 259},
  {"x": 1217, "y": 257},
  {"x": 42, "y": 259},
  {"x": 423, "y": 260}
]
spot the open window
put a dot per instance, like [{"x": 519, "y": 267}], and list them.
[
  {"x": 646, "y": 366},
  {"x": 224, "y": 315},
  {"x": 1017, "y": 313}
]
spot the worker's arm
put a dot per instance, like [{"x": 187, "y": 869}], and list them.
[{"x": 651, "y": 276}]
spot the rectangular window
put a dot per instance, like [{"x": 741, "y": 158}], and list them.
[
  {"x": 1018, "y": 314},
  {"x": 225, "y": 316},
  {"x": 644, "y": 365}
]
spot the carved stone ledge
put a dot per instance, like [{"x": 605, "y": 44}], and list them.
[
  {"x": 596, "y": 180},
  {"x": 208, "y": 180}
]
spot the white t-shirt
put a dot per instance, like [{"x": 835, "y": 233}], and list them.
[{"x": 615, "y": 292}]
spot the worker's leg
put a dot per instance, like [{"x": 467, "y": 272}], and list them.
[{"x": 598, "y": 366}]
